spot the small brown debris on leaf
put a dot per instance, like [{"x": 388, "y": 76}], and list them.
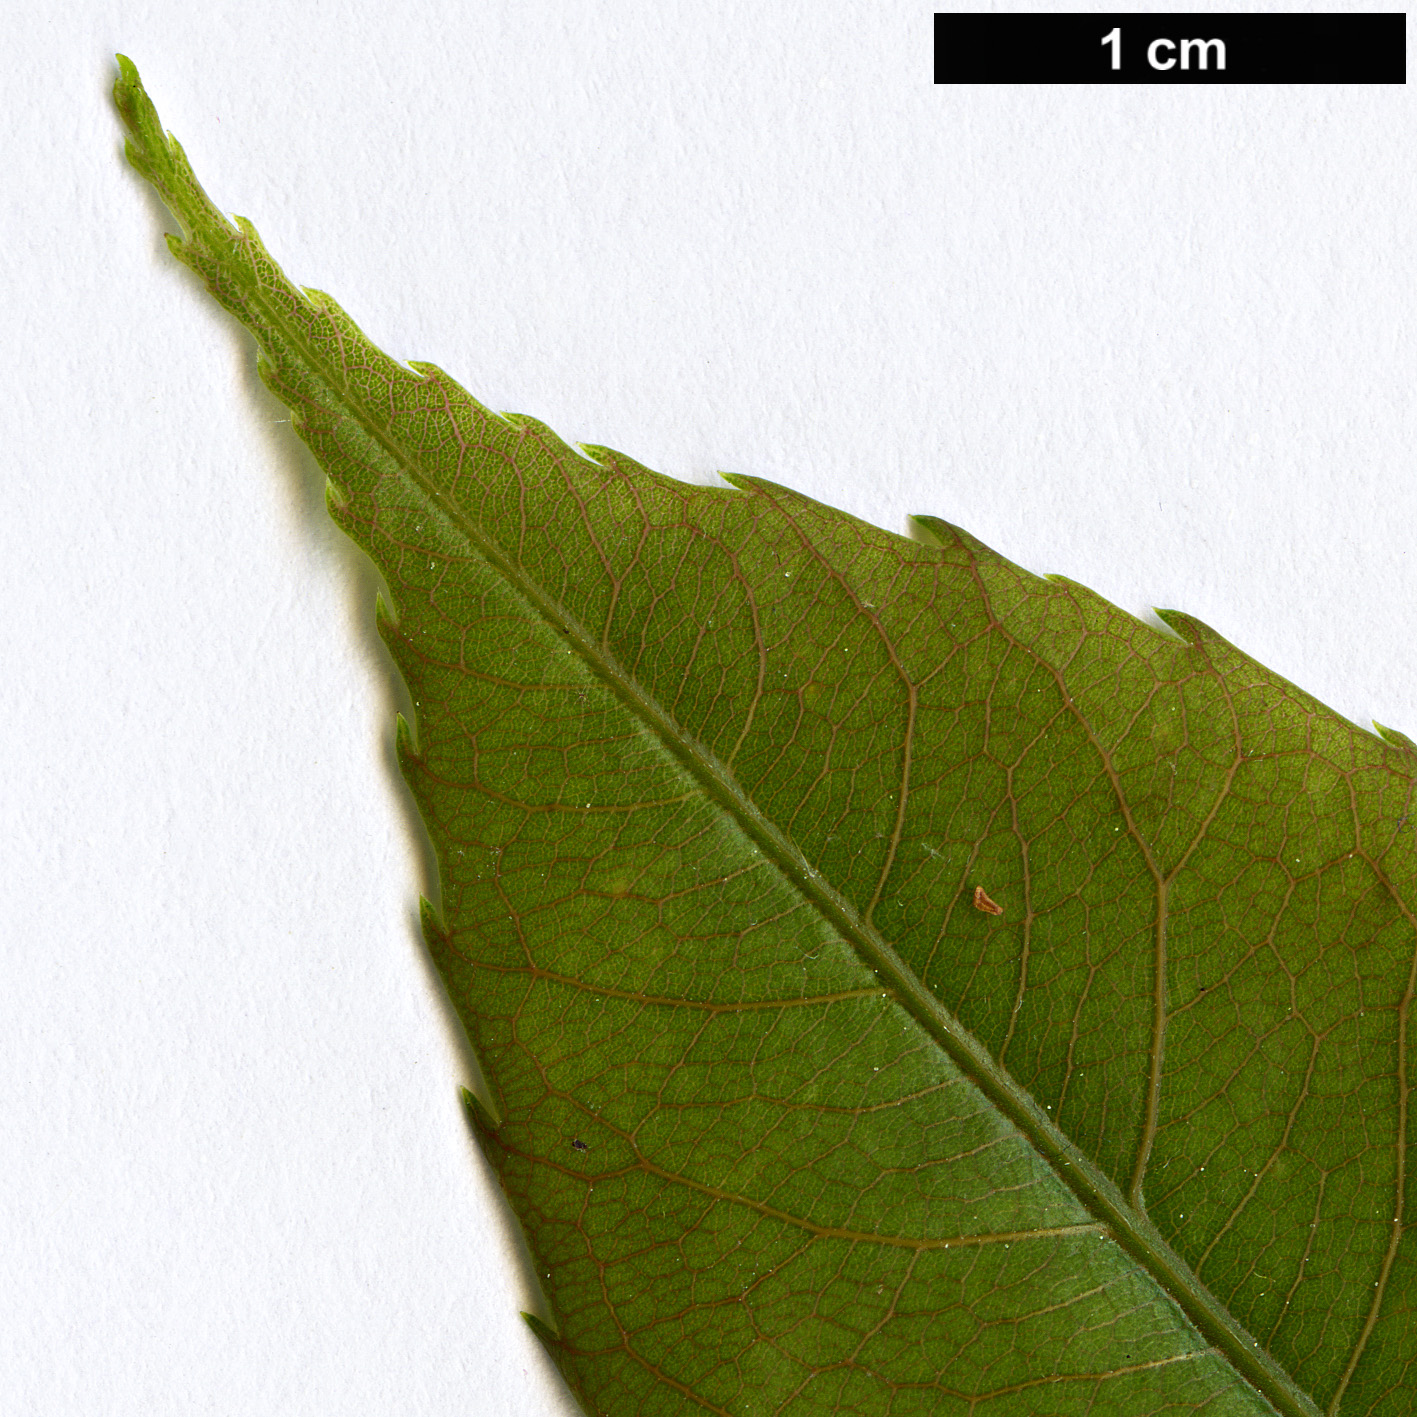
[{"x": 984, "y": 903}]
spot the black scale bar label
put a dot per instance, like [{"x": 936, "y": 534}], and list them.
[{"x": 1170, "y": 49}]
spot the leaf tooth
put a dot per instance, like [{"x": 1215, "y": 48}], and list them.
[
  {"x": 248, "y": 229},
  {"x": 413, "y": 767},
  {"x": 612, "y": 460},
  {"x": 1394, "y": 736},
  {"x": 479, "y": 1111},
  {"x": 1190, "y": 630},
  {"x": 434, "y": 928},
  {"x": 931, "y": 531},
  {"x": 1164, "y": 626},
  {"x": 950, "y": 537},
  {"x": 545, "y": 435},
  {"x": 406, "y": 744},
  {"x": 272, "y": 378},
  {"x": 734, "y": 480},
  {"x": 137, "y": 158},
  {"x": 1198, "y": 634},
  {"x": 478, "y": 1105},
  {"x": 181, "y": 249},
  {"x": 402, "y": 651},
  {"x": 745, "y": 482},
  {"x": 544, "y": 1329},
  {"x": 386, "y": 615}
]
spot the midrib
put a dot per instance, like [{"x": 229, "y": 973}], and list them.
[{"x": 1131, "y": 1229}]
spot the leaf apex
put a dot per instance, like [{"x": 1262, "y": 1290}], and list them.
[
  {"x": 148, "y": 148},
  {"x": 129, "y": 94}
]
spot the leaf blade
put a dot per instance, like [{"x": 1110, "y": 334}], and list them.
[{"x": 556, "y": 574}]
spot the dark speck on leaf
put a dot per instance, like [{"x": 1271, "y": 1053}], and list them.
[{"x": 580, "y": 1145}]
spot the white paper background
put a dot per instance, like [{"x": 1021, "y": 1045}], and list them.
[{"x": 1159, "y": 340}]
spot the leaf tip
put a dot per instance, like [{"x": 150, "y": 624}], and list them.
[
  {"x": 138, "y": 115},
  {"x": 147, "y": 145},
  {"x": 127, "y": 81}
]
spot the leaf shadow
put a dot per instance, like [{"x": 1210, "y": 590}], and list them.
[
  {"x": 304, "y": 486},
  {"x": 301, "y": 484}
]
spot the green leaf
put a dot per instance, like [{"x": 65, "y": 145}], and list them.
[{"x": 903, "y": 984}]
